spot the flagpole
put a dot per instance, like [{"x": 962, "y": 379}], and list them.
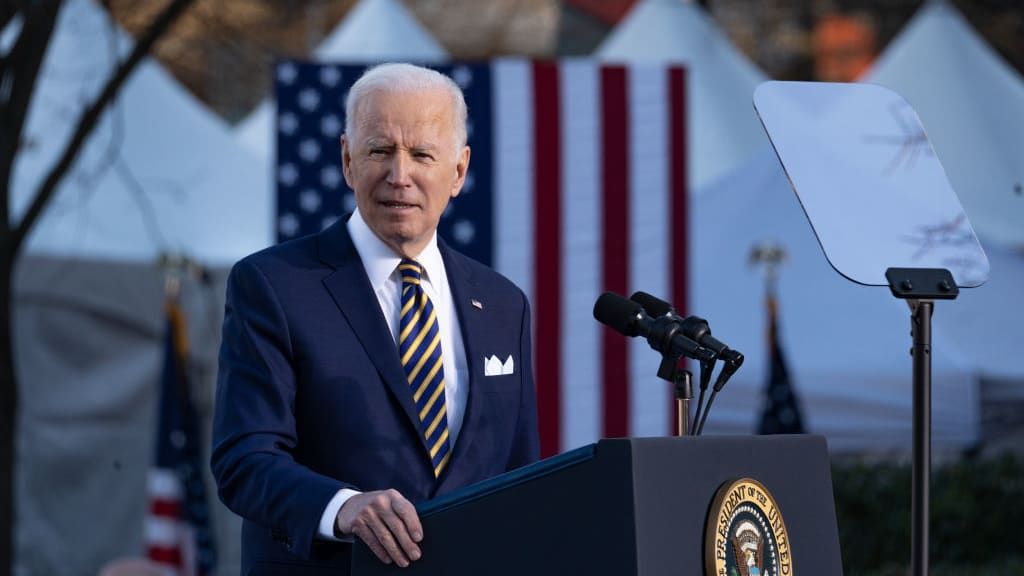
[{"x": 769, "y": 257}]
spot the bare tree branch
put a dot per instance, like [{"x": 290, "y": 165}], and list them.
[
  {"x": 92, "y": 115},
  {"x": 17, "y": 82},
  {"x": 8, "y": 9}
]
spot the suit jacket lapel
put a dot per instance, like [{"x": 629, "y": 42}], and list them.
[
  {"x": 351, "y": 290},
  {"x": 464, "y": 289}
]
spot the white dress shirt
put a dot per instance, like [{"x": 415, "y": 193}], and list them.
[{"x": 381, "y": 264}]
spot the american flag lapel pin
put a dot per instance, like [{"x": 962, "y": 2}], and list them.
[{"x": 476, "y": 304}]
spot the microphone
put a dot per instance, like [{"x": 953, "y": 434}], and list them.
[
  {"x": 653, "y": 305},
  {"x": 698, "y": 330},
  {"x": 694, "y": 328},
  {"x": 663, "y": 334}
]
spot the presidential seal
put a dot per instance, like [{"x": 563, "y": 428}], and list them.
[{"x": 745, "y": 534}]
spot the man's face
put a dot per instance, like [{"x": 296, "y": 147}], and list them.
[{"x": 403, "y": 164}]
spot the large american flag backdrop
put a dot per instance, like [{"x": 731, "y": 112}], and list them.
[{"x": 577, "y": 185}]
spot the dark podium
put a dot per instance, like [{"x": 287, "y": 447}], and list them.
[{"x": 633, "y": 506}]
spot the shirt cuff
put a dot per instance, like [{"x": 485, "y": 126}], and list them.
[{"x": 326, "y": 529}]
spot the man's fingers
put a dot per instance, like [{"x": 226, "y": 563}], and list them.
[
  {"x": 367, "y": 535},
  {"x": 403, "y": 536},
  {"x": 386, "y": 522},
  {"x": 383, "y": 533},
  {"x": 407, "y": 512}
]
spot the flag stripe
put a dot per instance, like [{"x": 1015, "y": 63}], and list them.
[
  {"x": 168, "y": 508},
  {"x": 649, "y": 236},
  {"x": 581, "y": 252},
  {"x": 678, "y": 216},
  {"x": 163, "y": 484},
  {"x": 615, "y": 219},
  {"x": 513, "y": 174},
  {"x": 165, "y": 555},
  {"x": 547, "y": 252},
  {"x": 162, "y": 532}
]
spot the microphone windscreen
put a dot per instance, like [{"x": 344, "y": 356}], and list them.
[
  {"x": 655, "y": 307},
  {"x": 618, "y": 313}
]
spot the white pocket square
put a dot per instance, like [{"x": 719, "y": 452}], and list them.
[{"x": 494, "y": 367}]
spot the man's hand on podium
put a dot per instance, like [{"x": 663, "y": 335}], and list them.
[{"x": 386, "y": 522}]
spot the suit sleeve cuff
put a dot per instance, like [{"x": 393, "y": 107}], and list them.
[{"x": 326, "y": 529}]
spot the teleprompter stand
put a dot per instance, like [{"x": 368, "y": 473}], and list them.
[
  {"x": 920, "y": 287},
  {"x": 885, "y": 215}
]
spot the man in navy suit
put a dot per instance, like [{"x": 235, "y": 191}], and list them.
[{"x": 370, "y": 366}]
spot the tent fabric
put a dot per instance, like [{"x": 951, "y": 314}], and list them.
[
  {"x": 160, "y": 172},
  {"x": 846, "y": 344},
  {"x": 373, "y": 31},
  {"x": 723, "y": 130},
  {"x": 89, "y": 351},
  {"x": 986, "y": 324},
  {"x": 971, "y": 104},
  {"x": 380, "y": 29}
]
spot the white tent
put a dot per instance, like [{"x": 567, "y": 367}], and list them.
[
  {"x": 971, "y": 104},
  {"x": 986, "y": 324},
  {"x": 378, "y": 30},
  {"x": 159, "y": 174},
  {"x": 723, "y": 129},
  {"x": 846, "y": 345},
  {"x": 374, "y": 30}
]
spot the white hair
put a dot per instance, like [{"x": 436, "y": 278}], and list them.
[{"x": 402, "y": 77}]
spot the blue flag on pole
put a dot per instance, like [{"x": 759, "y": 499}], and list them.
[
  {"x": 781, "y": 413},
  {"x": 178, "y": 532}
]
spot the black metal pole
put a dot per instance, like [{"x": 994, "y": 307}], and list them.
[{"x": 921, "y": 330}]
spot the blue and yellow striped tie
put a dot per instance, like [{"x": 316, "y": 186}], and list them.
[{"x": 419, "y": 343}]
